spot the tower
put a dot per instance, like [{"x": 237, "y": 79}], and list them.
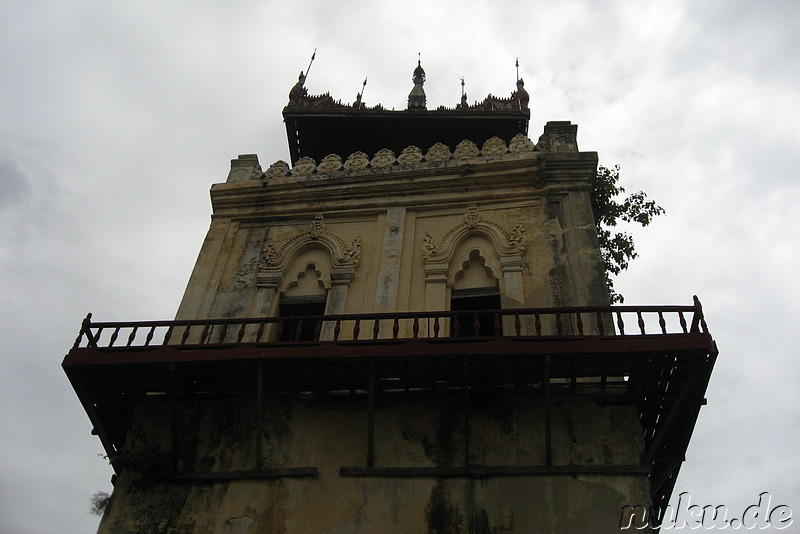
[{"x": 405, "y": 331}]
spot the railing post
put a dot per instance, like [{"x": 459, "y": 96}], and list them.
[{"x": 85, "y": 326}]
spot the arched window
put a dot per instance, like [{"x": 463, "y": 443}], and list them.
[
  {"x": 475, "y": 288},
  {"x": 304, "y": 297}
]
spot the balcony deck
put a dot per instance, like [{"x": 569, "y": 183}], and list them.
[{"x": 658, "y": 358}]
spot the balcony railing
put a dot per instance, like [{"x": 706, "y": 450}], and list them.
[{"x": 584, "y": 321}]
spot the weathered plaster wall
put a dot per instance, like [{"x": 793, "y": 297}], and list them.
[
  {"x": 507, "y": 429},
  {"x": 391, "y": 211}
]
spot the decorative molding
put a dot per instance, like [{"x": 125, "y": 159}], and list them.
[
  {"x": 330, "y": 163},
  {"x": 466, "y": 150},
  {"x": 506, "y": 243},
  {"x": 383, "y": 158},
  {"x": 409, "y": 155},
  {"x": 343, "y": 256}
]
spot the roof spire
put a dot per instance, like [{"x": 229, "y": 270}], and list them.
[{"x": 416, "y": 98}]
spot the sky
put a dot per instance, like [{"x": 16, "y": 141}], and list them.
[{"x": 116, "y": 118}]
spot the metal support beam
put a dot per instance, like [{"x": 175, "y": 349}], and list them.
[
  {"x": 663, "y": 432},
  {"x": 465, "y": 388},
  {"x": 371, "y": 413},
  {"x": 548, "y": 431},
  {"x": 260, "y": 416}
]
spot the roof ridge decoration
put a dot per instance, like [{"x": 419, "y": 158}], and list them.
[{"x": 492, "y": 147}]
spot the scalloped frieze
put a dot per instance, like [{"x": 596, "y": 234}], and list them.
[{"x": 465, "y": 150}]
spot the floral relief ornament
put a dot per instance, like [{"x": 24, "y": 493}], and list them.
[
  {"x": 409, "y": 155},
  {"x": 330, "y": 163},
  {"x": 494, "y": 146},
  {"x": 438, "y": 152},
  {"x": 472, "y": 216},
  {"x": 279, "y": 169},
  {"x": 356, "y": 161},
  {"x": 383, "y": 158},
  {"x": 304, "y": 166}
]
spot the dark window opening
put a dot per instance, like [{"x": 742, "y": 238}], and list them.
[
  {"x": 297, "y": 309},
  {"x": 481, "y": 298}
]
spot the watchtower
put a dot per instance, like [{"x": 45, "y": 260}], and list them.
[{"x": 407, "y": 330}]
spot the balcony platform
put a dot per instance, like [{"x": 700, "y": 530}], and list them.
[{"x": 658, "y": 358}]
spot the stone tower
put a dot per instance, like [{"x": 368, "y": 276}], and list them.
[{"x": 407, "y": 330}]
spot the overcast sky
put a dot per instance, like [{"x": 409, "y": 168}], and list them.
[{"x": 116, "y": 117}]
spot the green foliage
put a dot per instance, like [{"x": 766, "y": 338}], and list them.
[
  {"x": 617, "y": 248},
  {"x": 99, "y": 503}
]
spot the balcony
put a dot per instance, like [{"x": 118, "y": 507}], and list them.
[{"x": 658, "y": 358}]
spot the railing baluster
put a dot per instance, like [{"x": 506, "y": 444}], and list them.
[
  {"x": 223, "y": 332},
  {"x": 376, "y": 328},
  {"x": 98, "y": 334},
  {"x": 682, "y": 320},
  {"x": 396, "y": 328},
  {"x": 337, "y": 329},
  {"x": 149, "y": 337},
  {"x": 132, "y": 336},
  {"x": 318, "y": 329},
  {"x": 168, "y": 335},
  {"x": 240, "y": 335},
  {"x": 357, "y": 328},
  {"x": 436, "y": 326},
  {"x": 113, "y": 337},
  {"x": 661, "y": 322},
  {"x": 517, "y": 324},
  {"x": 298, "y": 332},
  {"x": 476, "y": 325},
  {"x": 260, "y": 331},
  {"x": 620, "y": 324},
  {"x": 185, "y": 334},
  {"x": 204, "y": 334},
  {"x": 280, "y": 328},
  {"x": 456, "y": 326},
  {"x": 497, "y": 328},
  {"x": 579, "y": 322},
  {"x": 537, "y": 323},
  {"x": 559, "y": 325},
  {"x": 641, "y": 322},
  {"x": 600, "y": 326},
  {"x": 415, "y": 327}
]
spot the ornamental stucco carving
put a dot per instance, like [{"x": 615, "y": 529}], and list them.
[
  {"x": 466, "y": 150},
  {"x": 494, "y": 146},
  {"x": 279, "y": 169},
  {"x": 304, "y": 166},
  {"x": 439, "y": 152},
  {"x": 520, "y": 143},
  {"x": 330, "y": 163},
  {"x": 343, "y": 256},
  {"x": 506, "y": 243},
  {"x": 409, "y": 155},
  {"x": 383, "y": 158},
  {"x": 356, "y": 161}
]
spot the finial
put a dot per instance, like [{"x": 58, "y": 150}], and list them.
[
  {"x": 517, "y": 63},
  {"x": 357, "y": 104},
  {"x": 309, "y": 65},
  {"x": 463, "y": 104},
  {"x": 416, "y": 98}
]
